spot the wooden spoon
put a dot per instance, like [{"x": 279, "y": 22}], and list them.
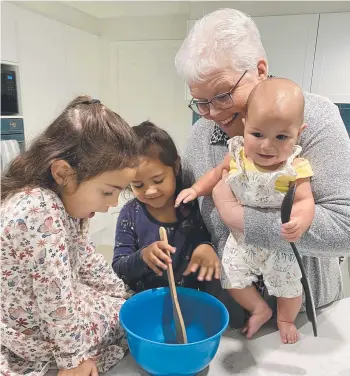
[{"x": 181, "y": 335}]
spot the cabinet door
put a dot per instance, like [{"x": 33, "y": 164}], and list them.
[
  {"x": 8, "y": 33},
  {"x": 290, "y": 43},
  {"x": 331, "y": 76},
  {"x": 147, "y": 86},
  {"x": 43, "y": 70},
  {"x": 83, "y": 62}
]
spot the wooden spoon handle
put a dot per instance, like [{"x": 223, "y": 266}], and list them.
[{"x": 181, "y": 335}]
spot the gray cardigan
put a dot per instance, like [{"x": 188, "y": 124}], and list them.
[{"x": 326, "y": 145}]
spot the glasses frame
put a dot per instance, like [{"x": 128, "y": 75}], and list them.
[{"x": 193, "y": 104}]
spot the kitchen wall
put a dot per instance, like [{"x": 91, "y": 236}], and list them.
[
  {"x": 129, "y": 63},
  {"x": 56, "y": 62}
]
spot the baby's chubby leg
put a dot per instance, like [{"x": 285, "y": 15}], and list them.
[
  {"x": 287, "y": 311},
  {"x": 239, "y": 270},
  {"x": 250, "y": 299},
  {"x": 282, "y": 279}
]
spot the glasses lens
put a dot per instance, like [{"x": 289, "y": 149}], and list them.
[
  {"x": 200, "y": 108},
  {"x": 203, "y": 108},
  {"x": 222, "y": 102}
]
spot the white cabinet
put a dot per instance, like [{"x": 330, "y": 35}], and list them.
[
  {"x": 83, "y": 63},
  {"x": 9, "y": 43},
  {"x": 332, "y": 59},
  {"x": 290, "y": 43},
  {"x": 43, "y": 70},
  {"x": 147, "y": 86},
  {"x": 57, "y": 63}
]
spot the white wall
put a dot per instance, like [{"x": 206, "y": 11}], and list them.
[
  {"x": 145, "y": 28},
  {"x": 331, "y": 73},
  {"x": 146, "y": 86},
  {"x": 130, "y": 66},
  {"x": 56, "y": 62},
  {"x": 61, "y": 12},
  {"x": 268, "y": 8}
]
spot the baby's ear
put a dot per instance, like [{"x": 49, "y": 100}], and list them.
[{"x": 302, "y": 128}]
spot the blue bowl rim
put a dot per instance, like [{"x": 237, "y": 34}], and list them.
[{"x": 218, "y": 334}]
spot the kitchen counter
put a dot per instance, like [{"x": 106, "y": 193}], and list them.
[{"x": 265, "y": 355}]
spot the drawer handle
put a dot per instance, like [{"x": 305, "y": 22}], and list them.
[{"x": 13, "y": 124}]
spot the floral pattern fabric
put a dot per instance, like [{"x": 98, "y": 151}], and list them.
[
  {"x": 243, "y": 263},
  {"x": 60, "y": 299}
]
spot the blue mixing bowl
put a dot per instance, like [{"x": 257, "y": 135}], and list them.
[{"x": 147, "y": 318}]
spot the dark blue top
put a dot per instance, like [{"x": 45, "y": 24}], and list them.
[{"x": 137, "y": 229}]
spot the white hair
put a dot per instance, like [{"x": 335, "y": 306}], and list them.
[{"x": 226, "y": 38}]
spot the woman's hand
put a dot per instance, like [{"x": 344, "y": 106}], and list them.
[
  {"x": 205, "y": 258},
  {"x": 86, "y": 368},
  {"x": 230, "y": 210}
]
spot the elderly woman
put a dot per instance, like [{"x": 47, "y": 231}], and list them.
[{"x": 222, "y": 60}]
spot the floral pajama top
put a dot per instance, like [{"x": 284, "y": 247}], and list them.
[{"x": 60, "y": 299}]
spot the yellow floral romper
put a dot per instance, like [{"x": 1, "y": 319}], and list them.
[{"x": 254, "y": 186}]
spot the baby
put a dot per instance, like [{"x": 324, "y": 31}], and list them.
[{"x": 261, "y": 166}]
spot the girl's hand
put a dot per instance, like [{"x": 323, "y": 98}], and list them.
[
  {"x": 155, "y": 256},
  {"x": 186, "y": 195},
  {"x": 86, "y": 368},
  {"x": 205, "y": 258}
]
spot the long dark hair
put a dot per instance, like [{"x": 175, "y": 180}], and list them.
[
  {"x": 89, "y": 136},
  {"x": 155, "y": 143}
]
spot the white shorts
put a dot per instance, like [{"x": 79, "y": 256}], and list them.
[{"x": 242, "y": 264}]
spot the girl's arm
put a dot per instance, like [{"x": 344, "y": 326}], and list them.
[
  {"x": 53, "y": 288},
  {"x": 127, "y": 260},
  {"x": 97, "y": 273}
]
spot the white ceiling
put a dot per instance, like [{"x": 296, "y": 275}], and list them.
[
  {"x": 112, "y": 9},
  {"x": 196, "y": 9}
]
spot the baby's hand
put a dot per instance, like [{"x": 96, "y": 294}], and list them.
[
  {"x": 292, "y": 230},
  {"x": 185, "y": 196},
  {"x": 155, "y": 257}
]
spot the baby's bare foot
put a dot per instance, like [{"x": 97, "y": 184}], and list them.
[
  {"x": 289, "y": 333},
  {"x": 257, "y": 320}
]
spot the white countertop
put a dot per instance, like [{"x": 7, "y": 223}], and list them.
[{"x": 265, "y": 355}]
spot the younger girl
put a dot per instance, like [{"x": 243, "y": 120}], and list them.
[
  {"x": 60, "y": 299},
  {"x": 139, "y": 257}
]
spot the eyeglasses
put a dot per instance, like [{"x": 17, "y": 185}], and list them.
[{"x": 221, "y": 101}]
